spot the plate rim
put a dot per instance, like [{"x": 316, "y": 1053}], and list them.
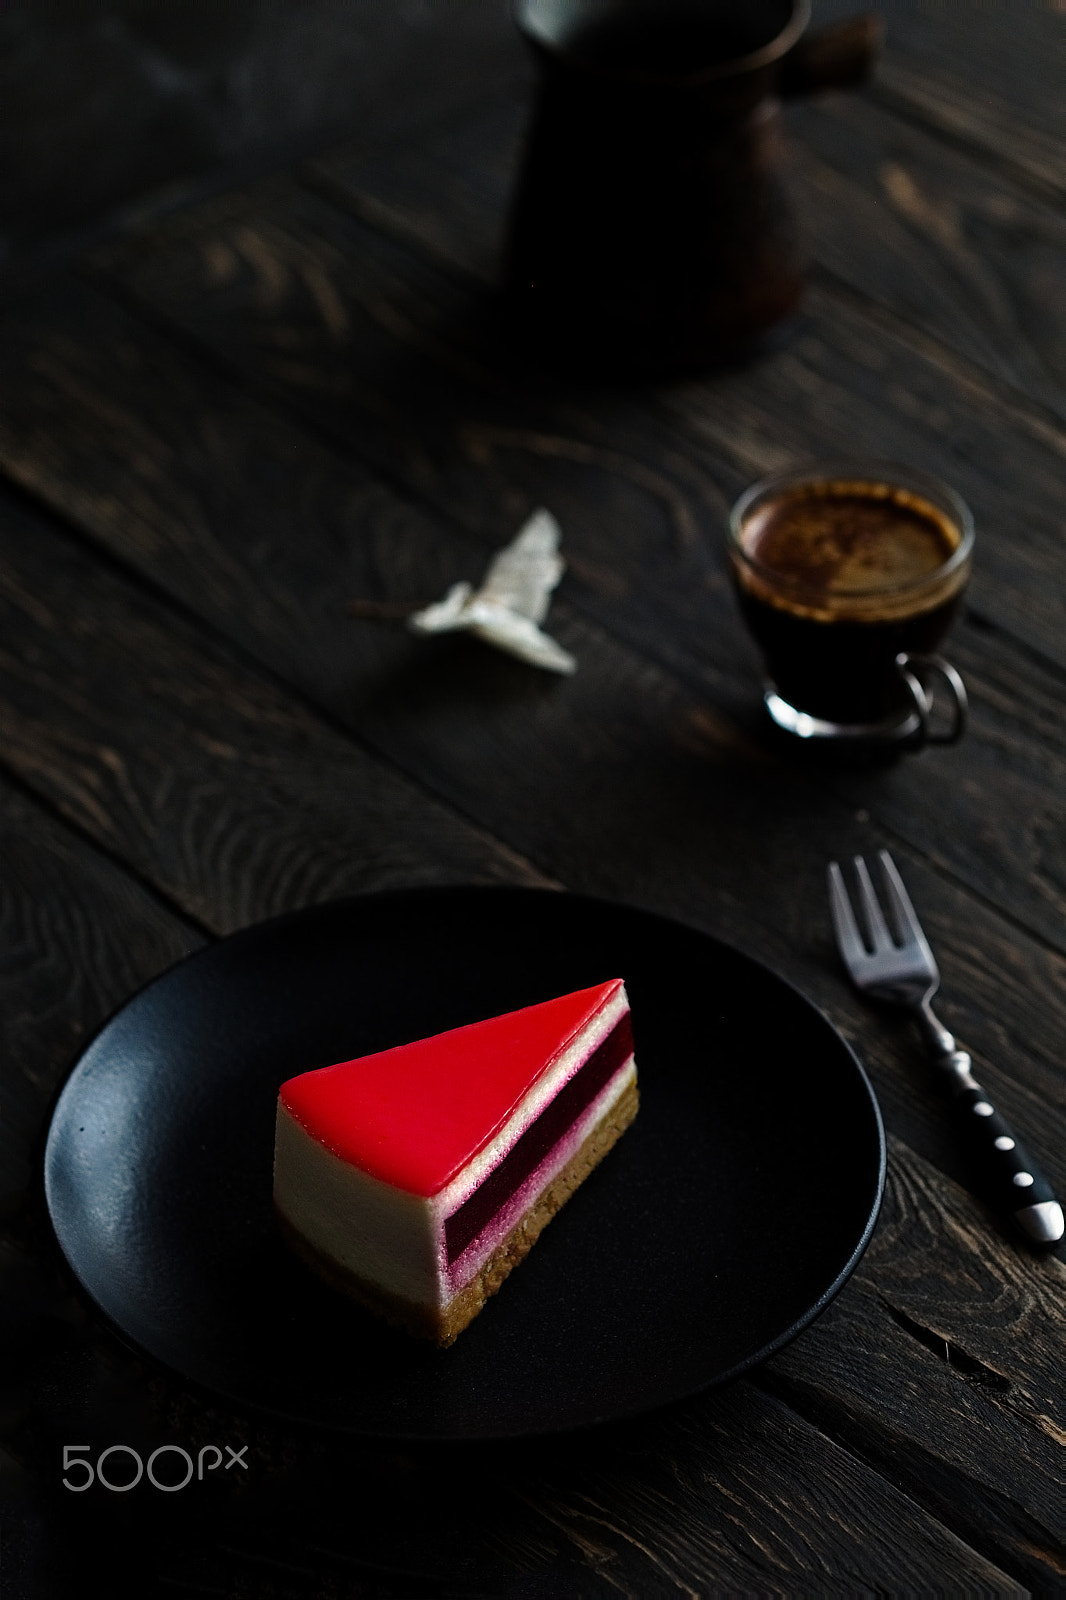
[{"x": 426, "y": 892}]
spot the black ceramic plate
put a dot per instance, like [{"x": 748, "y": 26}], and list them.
[{"x": 726, "y": 1218}]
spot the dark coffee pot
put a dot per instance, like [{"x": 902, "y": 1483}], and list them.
[{"x": 651, "y": 231}]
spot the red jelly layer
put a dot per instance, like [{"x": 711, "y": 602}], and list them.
[
  {"x": 414, "y": 1115},
  {"x": 539, "y": 1138}
]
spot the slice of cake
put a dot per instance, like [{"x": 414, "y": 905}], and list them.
[{"x": 416, "y": 1178}]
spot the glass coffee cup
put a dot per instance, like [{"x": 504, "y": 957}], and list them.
[{"x": 849, "y": 576}]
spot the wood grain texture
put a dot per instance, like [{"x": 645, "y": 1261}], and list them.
[
  {"x": 84, "y": 935},
  {"x": 214, "y": 785},
  {"x": 628, "y": 763},
  {"x": 337, "y": 321},
  {"x": 986, "y": 77},
  {"x": 1015, "y": 126},
  {"x": 983, "y": 1407},
  {"x": 935, "y": 238},
  {"x": 78, "y": 936},
  {"x": 303, "y": 401},
  {"x": 739, "y": 1494},
  {"x": 637, "y": 1519},
  {"x": 618, "y": 782},
  {"x": 902, "y": 794},
  {"x": 887, "y": 208},
  {"x": 969, "y": 259},
  {"x": 445, "y": 188},
  {"x": 104, "y": 106},
  {"x": 641, "y": 502}
]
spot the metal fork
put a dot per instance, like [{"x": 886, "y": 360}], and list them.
[{"x": 902, "y": 970}]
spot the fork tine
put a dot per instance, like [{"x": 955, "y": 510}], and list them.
[
  {"x": 907, "y": 918},
  {"x": 848, "y": 938},
  {"x": 880, "y": 938}
]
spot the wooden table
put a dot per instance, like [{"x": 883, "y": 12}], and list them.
[{"x": 225, "y": 420}]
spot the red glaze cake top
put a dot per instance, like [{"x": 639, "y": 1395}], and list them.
[{"x": 414, "y": 1115}]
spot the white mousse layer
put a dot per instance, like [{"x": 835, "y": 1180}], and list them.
[{"x": 382, "y": 1234}]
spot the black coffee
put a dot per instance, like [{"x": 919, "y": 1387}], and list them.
[{"x": 835, "y": 578}]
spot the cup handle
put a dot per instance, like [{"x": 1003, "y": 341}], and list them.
[
  {"x": 839, "y": 56},
  {"x": 909, "y": 668}
]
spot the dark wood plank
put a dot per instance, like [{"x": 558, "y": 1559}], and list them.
[
  {"x": 667, "y": 822},
  {"x": 347, "y": 327},
  {"x": 66, "y": 966},
  {"x": 988, "y": 1407},
  {"x": 984, "y": 77},
  {"x": 83, "y": 934},
  {"x": 103, "y": 106},
  {"x": 641, "y": 498},
  {"x": 645, "y": 1509},
  {"x": 862, "y": 248},
  {"x": 533, "y": 732},
  {"x": 935, "y": 238},
  {"x": 989, "y": 79},
  {"x": 663, "y": 1516},
  {"x": 736, "y": 1493},
  {"x": 444, "y": 189},
  {"x": 670, "y": 781},
  {"x": 643, "y": 1529},
  {"x": 929, "y": 233},
  {"x": 218, "y": 788}
]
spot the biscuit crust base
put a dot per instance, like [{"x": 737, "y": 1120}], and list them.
[{"x": 444, "y": 1324}]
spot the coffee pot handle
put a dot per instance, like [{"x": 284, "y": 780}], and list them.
[{"x": 835, "y": 57}]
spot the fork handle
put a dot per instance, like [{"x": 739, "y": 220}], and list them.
[{"x": 1010, "y": 1177}]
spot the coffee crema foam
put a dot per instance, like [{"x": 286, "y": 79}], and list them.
[{"x": 841, "y": 549}]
